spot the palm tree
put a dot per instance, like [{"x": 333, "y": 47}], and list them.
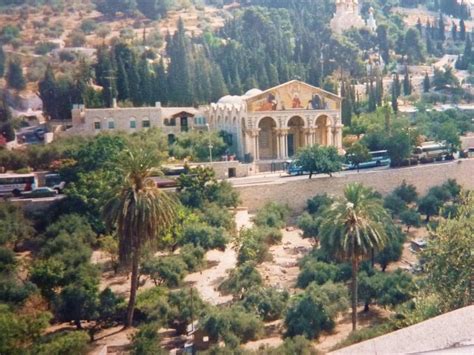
[
  {"x": 139, "y": 211},
  {"x": 351, "y": 228}
]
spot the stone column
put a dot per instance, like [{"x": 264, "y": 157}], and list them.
[
  {"x": 315, "y": 135},
  {"x": 285, "y": 143},
  {"x": 328, "y": 135},
  {"x": 278, "y": 143},
  {"x": 338, "y": 136}
]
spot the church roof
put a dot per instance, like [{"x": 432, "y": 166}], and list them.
[{"x": 327, "y": 93}]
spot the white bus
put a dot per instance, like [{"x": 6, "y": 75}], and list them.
[
  {"x": 16, "y": 184},
  {"x": 431, "y": 150}
]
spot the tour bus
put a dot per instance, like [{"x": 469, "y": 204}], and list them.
[
  {"x": 377, "y": 158},
  {"x": 431, "y": 150},
  {"x": 16, "y": 184}
]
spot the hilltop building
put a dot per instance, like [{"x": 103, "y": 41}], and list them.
[
  {"x": 347, "y": 16},
  {"x": 264, "y": 125}
]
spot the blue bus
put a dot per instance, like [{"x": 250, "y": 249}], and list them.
[{"x": 378, "y": 158}]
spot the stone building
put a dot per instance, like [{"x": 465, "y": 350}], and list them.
[
  {"x": 261, "y": 125},
  {"x": 347, "y": 16}
]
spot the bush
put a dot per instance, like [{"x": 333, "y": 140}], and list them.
[
  {"x": 88, "y": 25},
  {"x": 291, "y": 346},
  {"x": 192, "y": 256},
  {"x": 14, "y": 291},
  {"x": 318, "y": 203},
  {"x": 152, "y": 305},
  {"x": 314, "y": 310},
  {"x": 309, "y": 224},
  {"x": 205, "y": 236},
  {"x": 268, "y": 303},
  {"x": 64, "y": 343},
  {"x": 318, "y": 272},
  {"x": 272, "y": 215},
  {"x": 233, "y": 325},
  {"x": 241, "y": 279},
  {"x": 169, "y": 270},
  {"x": 43, "y": 48},
  {"x": 216, "y": 216},
  {"x": 184, "y": 306},
  {"x": 147, "y": 340},
  {"x": 406, "y": 192},
  {"x": 395, "y": 204},
  {"x": 365, "y": 334},
  {"x": 7, "y": 260}
]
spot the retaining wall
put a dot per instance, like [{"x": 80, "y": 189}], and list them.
[{"x": 296, "y": 192}]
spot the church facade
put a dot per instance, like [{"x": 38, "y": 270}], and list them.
[
  {"x": 263, "y": 125},
  {"x": 347, "y": 16}
]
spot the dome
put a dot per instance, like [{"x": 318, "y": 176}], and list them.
[
  {"x": 253, "y": 92},
  {"x": 228, "y": 99}
]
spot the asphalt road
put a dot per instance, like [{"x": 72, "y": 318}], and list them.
[{"x": 282, "y": 177}]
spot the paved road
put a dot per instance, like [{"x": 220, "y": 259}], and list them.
[{"x": 283, "y": 177}]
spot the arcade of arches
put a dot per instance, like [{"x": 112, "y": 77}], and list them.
[{"x": 281, "y": 138}]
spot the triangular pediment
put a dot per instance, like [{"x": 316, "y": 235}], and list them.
[{"x": 293, "y": 95}]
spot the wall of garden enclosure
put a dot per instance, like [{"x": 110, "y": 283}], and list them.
[{"x": 296, "y": 192}]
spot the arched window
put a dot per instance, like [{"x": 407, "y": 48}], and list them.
[
  {"x": 97, "y": 125},
  {"x": 133, "y": 123},
  {"x": 171, "y": 139},
  {"x": 111, "y": 124}
]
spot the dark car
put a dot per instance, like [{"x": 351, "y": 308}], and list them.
[{"x": 40, "y": 192}]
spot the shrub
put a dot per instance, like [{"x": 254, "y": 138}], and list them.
[
  {"x": 406, "y": 192},
  {"x": 318, "y": 272},
  {"x": 43, "y": 48},
  {"x": 147, "y": 340},
  {"x": 88, "y": 25},
  {"x": 7, "y": 260},
  {"x": 309, "y": 224},
  {"x": 152, "y": 305},
  {"x": 241, "y": 279},
  {"x": 296, "y": 345},
  {"x": 205, "y": 236},
  {"x": 192, "y": 256},
  {"x": 395, "y": 204},
  {"x": 64, "y": 343},
  {"x": 314, "y": 310},
  {"x": 272, "y": 215},
  {"x": 184, "y": 306},
  {"x": 318, "y": 203},
  {"x": 169, "y": 270},
  {"x": 233, "y": 325},
  {"x": 268, "y": 303}
]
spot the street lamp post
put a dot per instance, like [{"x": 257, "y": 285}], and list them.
[{"x": 210, "y": 144}]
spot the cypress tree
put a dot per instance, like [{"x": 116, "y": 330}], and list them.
[
  {"x": 47, "y": 91},
  {"x": 441, "y": 33},
  {"x": 160, "y": 85},
  {"x": 394, "y": 99},
  {"x": 347, "y": 105},
  {"x": 135, "y": 89},
  {"x": 145, "y": 79},
  {"x": 179, "y": 71},
  {"x": 15, "y": 78},
  {"x": 397, "y": 85},
  {"x": 106, "y": 75},
  {"x": 406, "y": 83},
  {"x": 379, "y": 90},
  {"x": 372, "y": 98},
  {"x": 462, "y": 30},
  {"x": 218, "y": 87},
  {"x": 6, "y": 125},
  {"x": 426, "y": 83},
  {"x": 454, "y": 31},
  {"x": 122, "y": 81},
  {"x": 2, "y": 61}
]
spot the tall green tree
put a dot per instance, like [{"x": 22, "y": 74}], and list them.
[
  {"x": 352, "y": 227},
  {"x": 2, "y": 61},
  {"x": 449, "y": 259},
  {"x": 178, "y": 48},
  {"x": 426, "y": 83},
  {"x": 15, "y": 78},
  {"x": 6, "y": 123},
  {"x": 139, "y": 212}
]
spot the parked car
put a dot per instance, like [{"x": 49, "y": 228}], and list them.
[{"x": 40, "y": 192}]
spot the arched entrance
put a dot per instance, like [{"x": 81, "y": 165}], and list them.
[
  {"x": 323, "y": 132},
  {"x": 295, "y": 135},
  {"x": 267, "y": 139}
]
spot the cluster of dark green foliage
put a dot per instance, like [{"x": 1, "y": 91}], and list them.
[
  {"x": 171, "y": 270},
  {"x": 319, "y": 160}
]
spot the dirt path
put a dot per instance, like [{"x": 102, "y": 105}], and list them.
[
  {"x": 207, "y": 281},
  {"x": 283, "y": 270}
]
